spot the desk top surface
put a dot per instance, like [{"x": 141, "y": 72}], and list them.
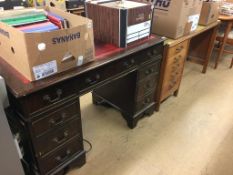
[
  {"x": 225, "y": 18},
  {"x": 105, "y": 53},
  {"x": 200, "y": 29}
]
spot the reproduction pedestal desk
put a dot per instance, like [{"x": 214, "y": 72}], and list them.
[
  {"x": 46, "y": 113},
  {"x": 197, "y": 47}
]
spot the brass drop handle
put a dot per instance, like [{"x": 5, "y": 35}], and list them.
[
  {"x": 147, "y": 72},
  {"x": 58, "y": 96},
  {"x": 132, "y": 61},
  {"x": 58, "y": 120},
  {"x": 152, "y": 70},
  {"x": 155, "y": 52},
  {"x": 179, "y": 49},
  {"x": 148, "y": 85},
  {"x": 59, "y": 140},
  {"x": 62, "y": 158},
  {"x": 149, "y": 54},
  {"x": 129, "y": 63},
  {"x": 95, "y": 79},
  {"x": 147, "y": 100}
]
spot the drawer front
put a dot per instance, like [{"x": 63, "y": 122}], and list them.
[
  {"x": 147, "y": 85},
  {"x": 94, "y": 77},
  {"x": 173, "y": 75},
  {"x": 148, "y": 70},
  {"x": 47, "y": 97},
  {"x": 145, "y": 101},
  {"x": 60, "y": 156},
  {"x": 56, "y": 117},
  {"x": 179, "y": 48},
  {"x": 57, "y": 137}
]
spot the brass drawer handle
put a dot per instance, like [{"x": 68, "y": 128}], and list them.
[
  {"x": 59, "y": 140},
  {"x": 58, "y": 120},
  {"x": 149, "y": 71},
  {"x": 148, "y": 85},
  {"x": 147, "y": 100},
  {"x": 179, "y": 49},
  {"x": 154, "y": 51},
  {"x": 62, "y": 158},
  {"x": 49, "y": 99},
  {"x": 95, "y": 80},
  {"x": 129, "y": 63}
]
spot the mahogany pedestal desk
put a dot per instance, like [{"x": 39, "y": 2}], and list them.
[
  {"x": 47, "y": 115},
  {"x": 197, "y": 47}
]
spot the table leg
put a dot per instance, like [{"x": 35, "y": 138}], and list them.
[
  {"x": 210, "y": 49},
  {"x": 227, "y": 31},
  {"x": 231, "y": 63}
]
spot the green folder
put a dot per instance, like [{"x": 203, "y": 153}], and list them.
[{"x": 24, "y": 19}]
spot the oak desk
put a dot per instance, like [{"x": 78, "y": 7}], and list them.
[
  {"x": 197, "y": 47},
  {"x": 46, "y": 113}
]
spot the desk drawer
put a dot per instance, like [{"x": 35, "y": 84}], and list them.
[
  {"x": 57, "y": 137},
  {"x": 60, "y": 156},
  {"x": 45, "y": 98},
  {"x": 56, "y": 117},
  {"x": 119, "y": 66},
  {"x": 145, "y": 101},
  {"x": 179, "y": 48},
  {"x": 148, "y": 84},
  {"x": 151, "y": 68}
]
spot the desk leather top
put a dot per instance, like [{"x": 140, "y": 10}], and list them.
[{"x": 20, "y": 86}]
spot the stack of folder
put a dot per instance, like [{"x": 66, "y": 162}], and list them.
[{"x": 36, "y": 21}]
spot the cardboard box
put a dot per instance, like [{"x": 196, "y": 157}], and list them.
[
  {"x": 209, "y": 13},
  {"x": 120, "y": 23},
  {"x": 175, "y": 18},
  {"x": 39, "y": 55}
]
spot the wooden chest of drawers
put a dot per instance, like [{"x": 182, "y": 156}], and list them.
[{"x": 171, "y": 71}]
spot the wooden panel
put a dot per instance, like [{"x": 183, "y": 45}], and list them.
[
  {"x": 105, "y": 23},
  {"x": 139, "y": 15},
  {"x": 199, "y": 45}
]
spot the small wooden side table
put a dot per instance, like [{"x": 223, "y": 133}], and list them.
[{"x": 225, "y": 40}]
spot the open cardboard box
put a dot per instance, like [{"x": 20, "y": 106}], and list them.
[
  {"x": 176, "y": 18},
  {"x": 39, "y": 55}
]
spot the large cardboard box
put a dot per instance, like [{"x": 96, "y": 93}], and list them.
[
  {"x": 175, "y": 18},
  {"x": 209, "y": 13},
  {"x": 39, "y": 55}
]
